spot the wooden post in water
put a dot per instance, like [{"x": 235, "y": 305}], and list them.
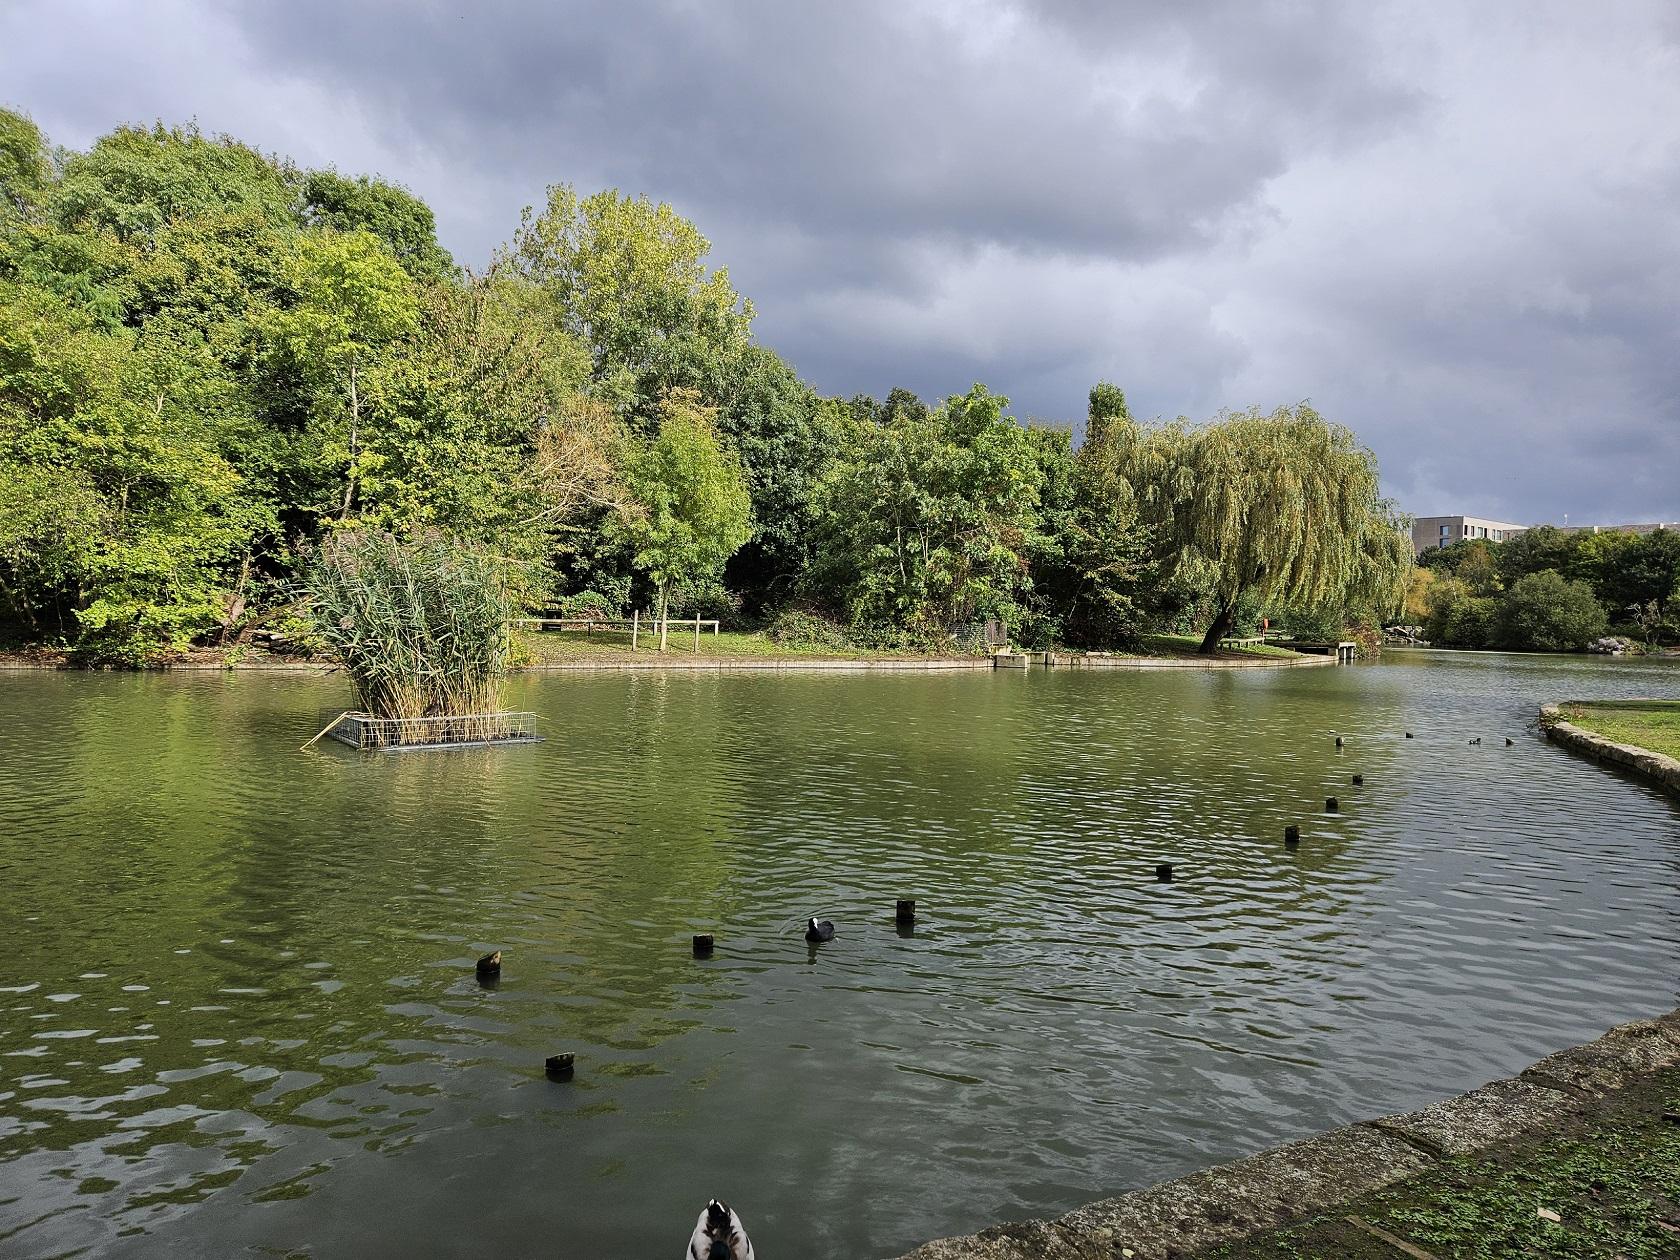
[
  {"x": 1331, "y": 805},
  {"x": 635, "y": 626},
  {"x": 1291, "y": 836},
  {"x": 1164, "y": 872},
  {"x": 703, "y": 944},
  {"x": 905, "y": 911}
]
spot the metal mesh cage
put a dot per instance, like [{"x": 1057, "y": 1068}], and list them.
[{"x": 363, "y": 730}]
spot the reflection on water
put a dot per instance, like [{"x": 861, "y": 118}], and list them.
[{"x": 238, "y": 1007}]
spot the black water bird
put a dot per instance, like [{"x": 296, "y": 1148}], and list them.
[
  {"x": 1509, "y": 741},
  {"x": 819, "y": 930},
  {"x": 491, "y": 963},
  {"x": 719, "y": 1234}
]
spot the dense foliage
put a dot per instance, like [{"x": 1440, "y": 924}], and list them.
[
  {"x": 217, "y": 371},
  {"x": 1549, "y": 589}
]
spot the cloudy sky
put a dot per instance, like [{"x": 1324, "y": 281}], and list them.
[{"x": 1455, "y": 228}]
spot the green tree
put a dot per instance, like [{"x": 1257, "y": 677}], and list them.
[
  {"x": 354, "y": 313},
  {"x": 393, "y": 214},
  {"x": 628, "y": 278},
  {"x": 928, "y": 518},
  {"x": 786, "y": 438},
  {"x": 1537, "y": 549},
  {"x": 1091, "y": 568},
  {"x": 1283, "y": 507},
  {"x": 1107, "y": 411},
  {"x": 26, "y": 173},
  {"x": 126, "y": 555},
  {"x": 1645, "y": 569},
  {"x": 1546, "y": 612},
  {"x": 688, "y": 507},
  {"x": 135, "y": 180}
]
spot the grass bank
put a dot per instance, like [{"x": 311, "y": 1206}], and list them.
[
  {"x": 569, "y": 647},
  {"x": 1609, "y": 1175},
  {"x": 1648, "y": 724}
]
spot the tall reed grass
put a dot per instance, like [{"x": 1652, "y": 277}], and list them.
[{"x": 421, "y": 627}]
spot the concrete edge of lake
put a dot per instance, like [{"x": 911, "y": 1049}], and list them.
[
  {"x": 725, "y": 664},
  {"x": 1659, "y": 769},
  {"x": 1233, "y": 1202},
  {"x": 841, "y": 666}
]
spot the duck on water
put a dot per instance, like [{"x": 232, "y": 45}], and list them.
[{"x": 719, "y": 1235}]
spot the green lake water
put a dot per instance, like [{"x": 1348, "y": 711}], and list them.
[{"x": 238, "y": 1014}]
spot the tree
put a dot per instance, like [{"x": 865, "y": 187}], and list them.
[
  {"x": 26, "y": 172},
  {"x": 1106, "y": 411},
  {"x": 1546, "y": 612},
  {"x": 1284, "y": 507},
  {"x": 628, "y": 278},
  {"x": 927, "y": 518},
  {"x": 1457, "y": 618},
  {"x": 786, "y": 438},
  {"x": 1646, "y": 571},
  {"x": 355, "y": 307},
  {"x": 393, "y": 214},
  {"x": 688, "y": 507},
  {"x": 135, "y": 180},
  {"x": 1091, "y": 567},
  {"x": 1537, "y": 549},
  {"x": 119, "y": 515}
]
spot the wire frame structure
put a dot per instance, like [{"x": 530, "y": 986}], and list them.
[{"x": 462, "y": 730}]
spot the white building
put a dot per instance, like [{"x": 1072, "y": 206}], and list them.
[{"x": 1439, "y": 531}]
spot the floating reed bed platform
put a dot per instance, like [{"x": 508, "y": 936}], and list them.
[{"x": 465, "y": 730}]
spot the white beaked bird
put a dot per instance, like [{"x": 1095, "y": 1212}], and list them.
[{"x": 719, "y": 1235}]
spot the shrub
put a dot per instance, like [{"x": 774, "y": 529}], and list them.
[
  {"x": 803, "y": 628},
  {"x": 1546, "y": 612}
]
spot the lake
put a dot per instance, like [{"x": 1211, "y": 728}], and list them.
[{"x": 238, "y": 1010}]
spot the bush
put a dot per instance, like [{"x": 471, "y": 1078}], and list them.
[
  {"x": 803, "y": 628},
  {"x": 1546, "y": 612}
]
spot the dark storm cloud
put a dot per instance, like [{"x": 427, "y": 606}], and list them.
[{"x": 1455, "y": 231}]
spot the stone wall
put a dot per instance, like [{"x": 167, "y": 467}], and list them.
[
  {"x": 1266, "y": 1191},
  {"x": 1660, "y": 770}
]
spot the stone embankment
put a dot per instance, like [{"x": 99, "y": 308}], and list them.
[
  {"x": 1661, "y": 770},
  {"x": 1234, "y": 1202}
]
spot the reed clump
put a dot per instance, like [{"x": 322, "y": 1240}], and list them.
[{"x": 420, "y": 626}]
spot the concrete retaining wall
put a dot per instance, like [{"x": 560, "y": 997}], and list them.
[
  {"x": 1266, "y": 1191},
  {"x": 1660, "y": 770}
]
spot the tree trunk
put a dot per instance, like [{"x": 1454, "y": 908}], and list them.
[
  {"x": 664, "y": 625},
  {"x": 355, "y": 421},
  {"x": 1219, "y": 629}
]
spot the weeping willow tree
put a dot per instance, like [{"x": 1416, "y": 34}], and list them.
[{"x": 1284, "y": 507}]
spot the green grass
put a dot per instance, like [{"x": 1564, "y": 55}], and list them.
[
  {"x": 1612, "y": 1176},
  {"x": 1649, "y": 724},
  {"x": 552, "y": 647},
  {"x": 1190, "y": 645},
  {"x": 563, "y": 646}
]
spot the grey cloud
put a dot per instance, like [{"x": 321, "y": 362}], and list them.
[{"x": 1455, "y": 229}]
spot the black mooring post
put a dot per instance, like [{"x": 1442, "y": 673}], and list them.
[
  {"x": 1291, "y": 836},
  {"x": 905, "y": 911},
  {"x": 558, "y": 1067},
  {"x": 703, "y": 944},
  {"x": 1331, "y": 805},
  {"x": 1164, "y": 872}
]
